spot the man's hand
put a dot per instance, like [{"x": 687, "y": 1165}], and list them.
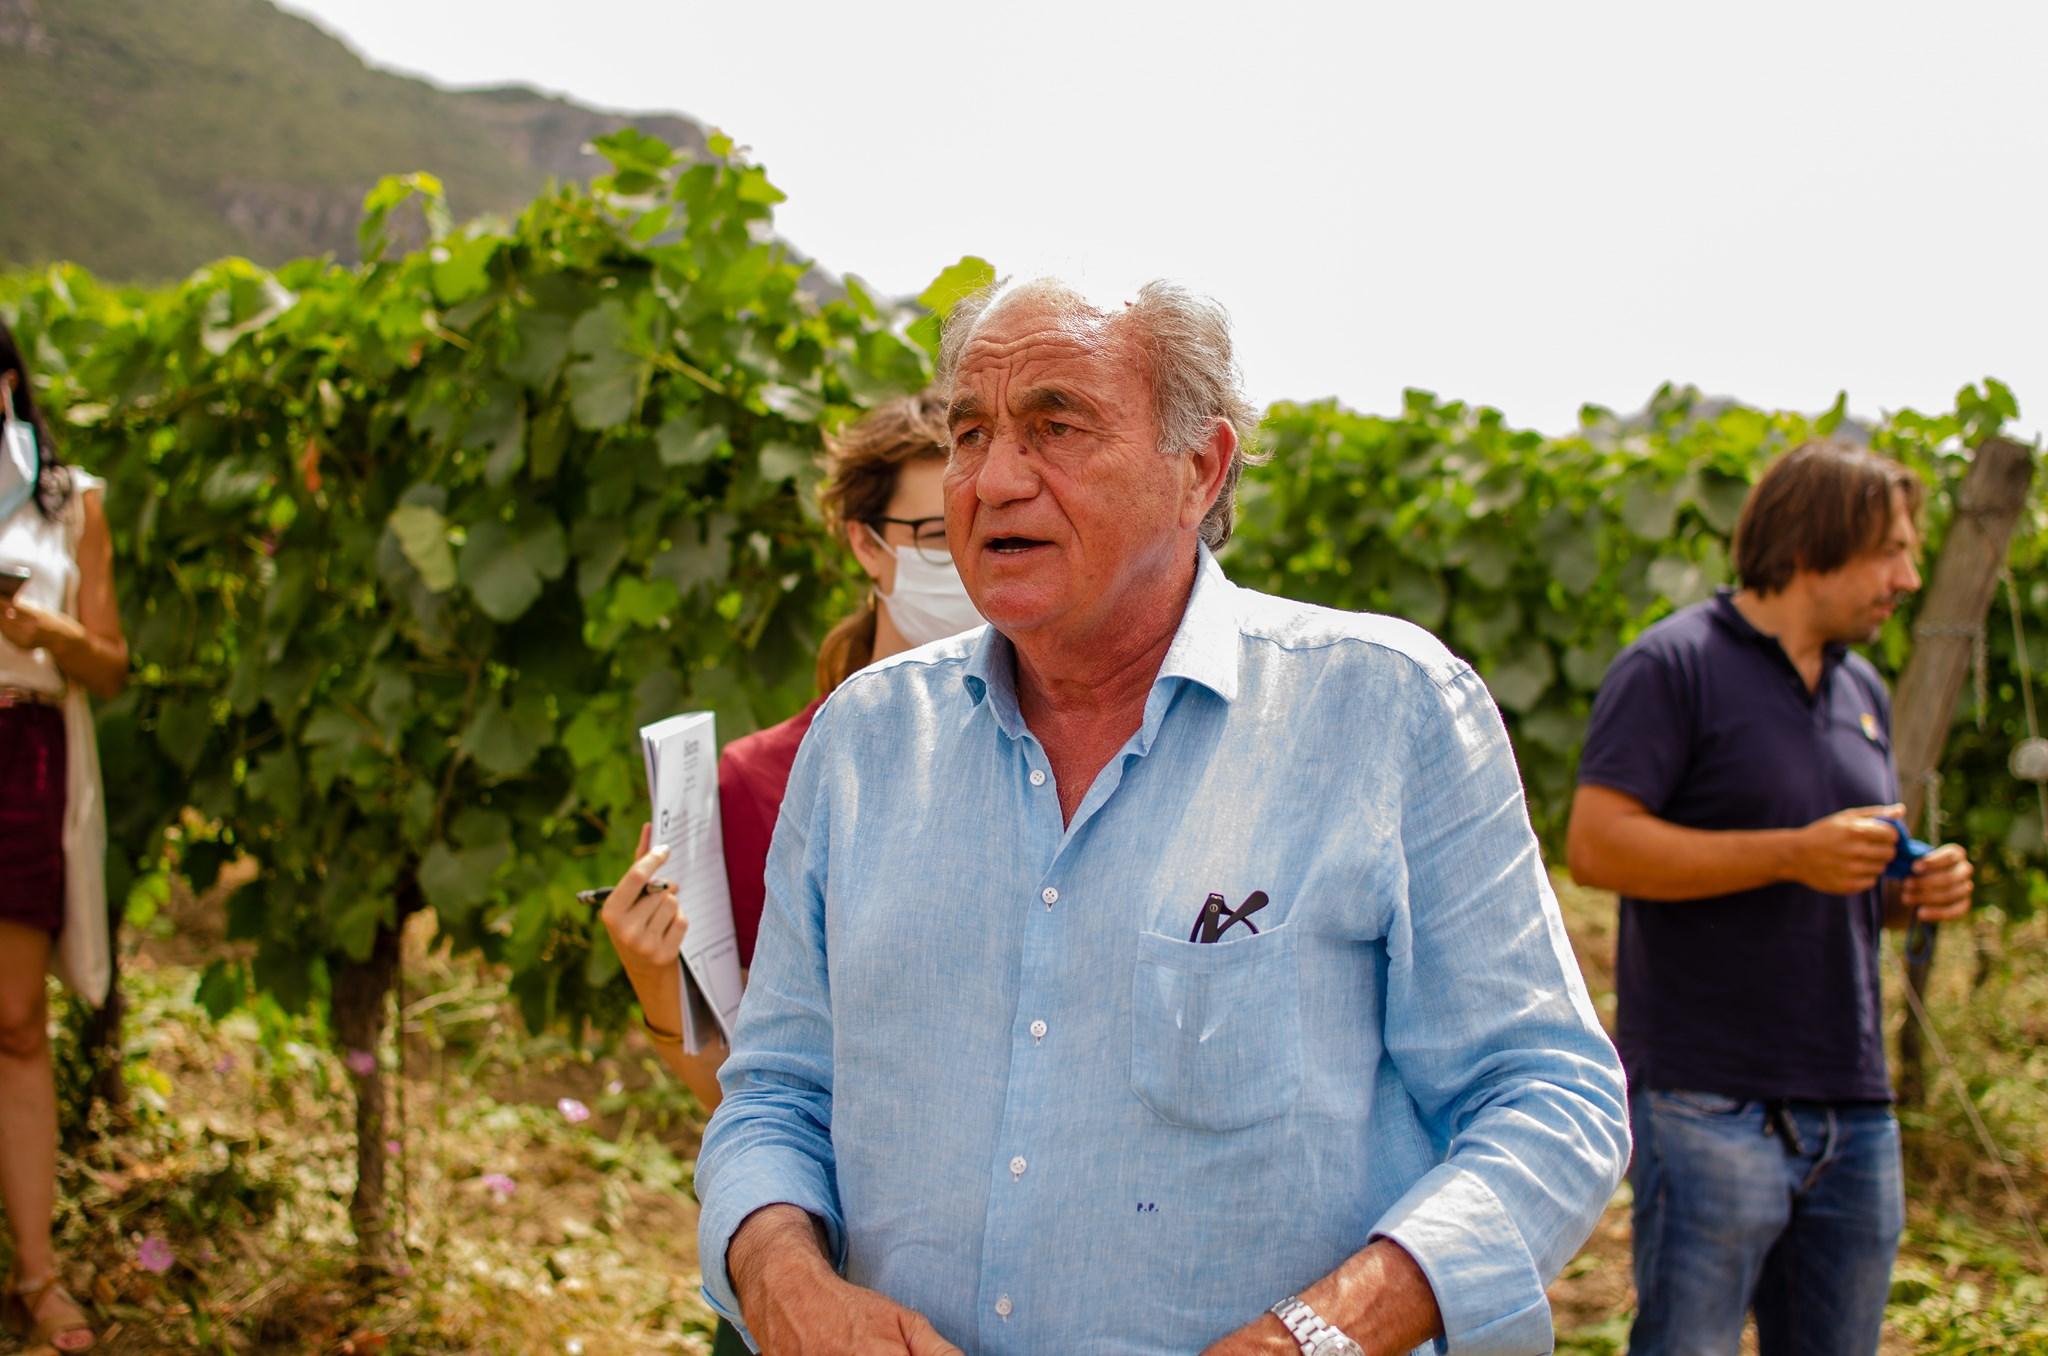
[
  {"x": 795, "y": 1304},
  {"x": 834, "y": 1317},
  {"x": 1847, "y": 852},
  {"x": 1378, "y": 1297},
  {"x": 1941, "y": 885}
]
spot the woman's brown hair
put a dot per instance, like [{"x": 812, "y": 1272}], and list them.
[
  {"x": 861, "y": 462},
  {"x": 1818, "y": 507}
]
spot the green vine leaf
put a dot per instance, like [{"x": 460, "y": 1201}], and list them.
[
  {"x": 605, "y": 382},
  {"x": 688, "y": 439},
  {"x": 506, "y": 736},
  {"x": 503, "y": 565},
  {"x": 423, "y": 536}
]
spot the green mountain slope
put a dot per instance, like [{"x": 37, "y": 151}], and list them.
[{"x": 144, "y": 137}]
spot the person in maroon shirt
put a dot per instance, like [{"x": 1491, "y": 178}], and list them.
[{"x": 882, "y": 493}]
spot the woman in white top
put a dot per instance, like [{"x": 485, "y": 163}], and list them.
[{"x": 58, "y": 626}]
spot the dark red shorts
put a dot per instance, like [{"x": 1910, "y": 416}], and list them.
[{"x": 32, "y": 816}]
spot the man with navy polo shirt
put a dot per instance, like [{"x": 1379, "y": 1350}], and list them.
[{"x": 1735, "y": 780}]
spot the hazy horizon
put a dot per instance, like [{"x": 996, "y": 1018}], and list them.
[{"x": 1527, "y": 208}]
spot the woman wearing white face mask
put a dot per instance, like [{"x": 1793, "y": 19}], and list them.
[
  {"x": 60, "y": 637},
  {"x": 882, "y": 494}
]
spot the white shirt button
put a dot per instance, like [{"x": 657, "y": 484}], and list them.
[
  {"x": 1049, "y": 895},
  {"x": 1038, "y": 776},
  {"x": 1038, "y": 1030},
  {"x": 1003, "y": 1306},
  {"x": 1017, "y": 1166}
]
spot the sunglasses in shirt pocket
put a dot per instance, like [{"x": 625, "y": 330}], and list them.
[{"x": 1216, "y": 1029}]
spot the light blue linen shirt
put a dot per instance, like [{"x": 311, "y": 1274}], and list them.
[{"x": 978, "y": 1045}]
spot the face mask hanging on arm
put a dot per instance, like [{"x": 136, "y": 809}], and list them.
[
  {"x": 21, "y": 461},
  {"x": 929, "y": 602}
]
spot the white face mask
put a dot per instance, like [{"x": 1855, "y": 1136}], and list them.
[
  {"x": 20, "y": 462},
  {"x": 929, "y": 602}
]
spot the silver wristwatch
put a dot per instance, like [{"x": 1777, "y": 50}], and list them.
[{"x": 1311, "y": 1333}]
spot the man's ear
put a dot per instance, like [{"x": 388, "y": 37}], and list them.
[{"x": 1209, "y": 467}]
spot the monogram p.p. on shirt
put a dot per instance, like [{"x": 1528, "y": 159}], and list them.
[{"x": 978, "y": 1045}]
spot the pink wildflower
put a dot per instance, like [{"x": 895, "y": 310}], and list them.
[
  {"x": 154, "y": 1255},
  {"x": 499, "y": 1185},
  {"x": 572, "y": 1110},
  {"x": 361, "y": 1063}
]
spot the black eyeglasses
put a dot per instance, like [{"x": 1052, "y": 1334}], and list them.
[
  {"x": 1215, "y": 917},
  {"x": 927, "y": 537}
]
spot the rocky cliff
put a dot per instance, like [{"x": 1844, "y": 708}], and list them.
[{"x": 142, "y": 138}]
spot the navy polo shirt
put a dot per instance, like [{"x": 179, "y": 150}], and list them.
[{"x": 1770, "y": 993}]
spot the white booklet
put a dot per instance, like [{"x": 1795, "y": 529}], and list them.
[{"x": 682, "y": 782}]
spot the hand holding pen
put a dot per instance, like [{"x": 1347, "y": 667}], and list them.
[{"x": 645, "y": 924}]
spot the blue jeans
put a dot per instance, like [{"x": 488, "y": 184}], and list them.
[{"x": 1794, "y": 1210}]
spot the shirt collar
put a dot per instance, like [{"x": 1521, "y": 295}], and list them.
[
  {"x": 1205, "y": 648},
  {"x": 991, "y": 679},
  {"x": 1730, "y": 616},
  {"x": 1204, "y": 651}
]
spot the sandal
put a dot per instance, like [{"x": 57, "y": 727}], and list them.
[{"x": 64, "y": 1330}]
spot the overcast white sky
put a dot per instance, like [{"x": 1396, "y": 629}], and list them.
[{"x": 1526, "y": 205}]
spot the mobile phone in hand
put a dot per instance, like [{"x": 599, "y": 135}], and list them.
[{"x": 12, "y": 577}]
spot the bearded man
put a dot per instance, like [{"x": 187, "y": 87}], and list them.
[{"x": 1735, "y": 787}]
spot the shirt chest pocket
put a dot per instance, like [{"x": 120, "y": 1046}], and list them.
[{"x": 1216, "y": 1029}]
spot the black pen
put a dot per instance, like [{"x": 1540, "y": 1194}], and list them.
[{"x": 596, "y": 898}]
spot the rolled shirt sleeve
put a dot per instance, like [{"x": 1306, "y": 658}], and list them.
[{"x": 1516, "y": 1076}]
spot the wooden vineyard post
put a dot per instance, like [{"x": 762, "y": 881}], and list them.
[{"x": 1945, "y": 637}]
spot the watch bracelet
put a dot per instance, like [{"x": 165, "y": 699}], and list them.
[
  {"x": 1309, "y": 1329},
  {"x": 1302, "y": 1322}
]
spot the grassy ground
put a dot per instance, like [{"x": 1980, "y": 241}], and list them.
[
  {"x": 528, "y": 1231},
  {"x": 234, "y": 1173}
]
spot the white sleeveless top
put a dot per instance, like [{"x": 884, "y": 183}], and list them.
[{"x": 28, "y": 538}]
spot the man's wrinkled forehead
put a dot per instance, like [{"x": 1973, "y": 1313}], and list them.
[
  {"x": 1051, "y": 316},
  {"x": 1037, "y": 337}
]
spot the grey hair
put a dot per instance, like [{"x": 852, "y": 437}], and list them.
[{"x": 1184, "y": 340}]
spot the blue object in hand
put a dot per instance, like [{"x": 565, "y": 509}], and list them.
[{"x": 1911, "y": 850}]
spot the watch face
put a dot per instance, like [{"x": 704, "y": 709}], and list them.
[{"x": 1337, "y": 1344}]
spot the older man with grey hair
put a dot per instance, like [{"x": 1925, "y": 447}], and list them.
[{"x": 1164, "y": 967}]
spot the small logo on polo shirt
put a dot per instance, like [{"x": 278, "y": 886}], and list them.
[{"x": 1869, "y": 723}]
